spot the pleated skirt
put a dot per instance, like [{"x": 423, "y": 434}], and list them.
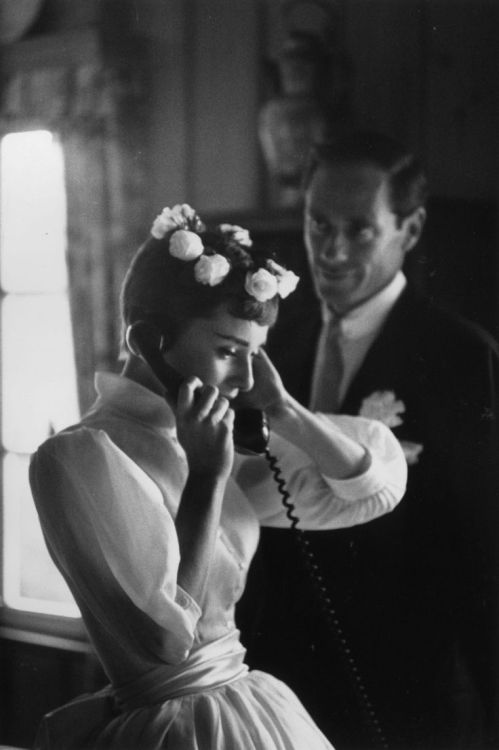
[{"x": 255, "y": 711}]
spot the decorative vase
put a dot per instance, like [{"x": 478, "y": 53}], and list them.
[
  {"x": 16, "y": 17},
  {"x": 311, "y": 101},
  {"x": 292, "y": 120}
]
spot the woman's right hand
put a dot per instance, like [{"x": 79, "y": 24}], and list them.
[{"x": 205, "y": 428}]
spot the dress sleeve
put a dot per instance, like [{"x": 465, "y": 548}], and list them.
[
  {"x": 321, "y": 501},
  {"x": 99, "y": 511}
]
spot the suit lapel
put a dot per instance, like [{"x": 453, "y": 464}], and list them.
[{"x": 391, "y": 358}]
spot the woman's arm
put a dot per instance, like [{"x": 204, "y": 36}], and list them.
[
  {"x": 341, "y": 459},
  {"x": 197, "y": 523},
  {"x": 339, "y": 470},
  {"x": 336, "y": 454},
  {"x": 112, "y": 532},
  {"x": 204, "y": 429}
]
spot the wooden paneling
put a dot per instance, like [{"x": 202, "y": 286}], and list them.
[
  {"x": 36, "y": 679},
  {"x": 462, "y": 104}
]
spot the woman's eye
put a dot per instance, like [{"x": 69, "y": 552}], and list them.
[{"x": 227, "y": 352}]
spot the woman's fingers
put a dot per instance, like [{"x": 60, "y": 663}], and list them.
[
  {"x": 205, "y": 428},
  {"x": 187, "y": 393},
  {"x": 220, "y": 410},
  {"x": 203, "y": 401}
]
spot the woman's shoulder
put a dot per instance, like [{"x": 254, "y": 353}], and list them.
[{"x": 72, "y": 443}]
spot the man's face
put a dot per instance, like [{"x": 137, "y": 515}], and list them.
[{"x": 354, "y": 243}]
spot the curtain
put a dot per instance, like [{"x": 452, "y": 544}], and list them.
[{"x": 96, "y": 109}]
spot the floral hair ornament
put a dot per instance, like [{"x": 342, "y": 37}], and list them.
[
  {"x": 238, "y": 234},
  {"x": 212, "y": 268},
  {"x": 186, "y": 245},
  {"x": 181, "y": 216}
]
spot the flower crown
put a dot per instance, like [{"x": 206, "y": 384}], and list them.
[{"x": 212, "y": 268}]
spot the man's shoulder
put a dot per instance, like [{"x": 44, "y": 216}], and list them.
[{"x": 423, "y": 316}]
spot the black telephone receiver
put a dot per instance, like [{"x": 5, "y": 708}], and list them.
[{"x": 144, "y": 339}]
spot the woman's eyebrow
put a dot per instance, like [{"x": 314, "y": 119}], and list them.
[{"x": 234, "y": 339}]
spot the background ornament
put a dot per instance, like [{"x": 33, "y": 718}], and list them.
[{"x": 310, "y": 77}]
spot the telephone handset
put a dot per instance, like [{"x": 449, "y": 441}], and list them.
[{"x": 251, "y": 431}]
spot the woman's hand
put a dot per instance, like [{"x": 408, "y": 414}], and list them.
[
  {"x": 268, "y": 392},
  {"x": 205, "y": 429}
]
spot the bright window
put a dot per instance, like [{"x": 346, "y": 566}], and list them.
[{"x": 37, "y": 375}]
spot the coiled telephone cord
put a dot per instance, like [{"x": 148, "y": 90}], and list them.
[{"x": 309, "y": 559}]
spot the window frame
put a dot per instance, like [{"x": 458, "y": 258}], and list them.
[{"x": 18, "y": 624}]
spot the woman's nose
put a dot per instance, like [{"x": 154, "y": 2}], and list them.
[{"x": 243, "y": 378}]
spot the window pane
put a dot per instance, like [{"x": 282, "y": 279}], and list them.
[
  {"x": 38, "y": 372},
  {"x": 31, "y": 580},
  {"x": 33, "y": 213}
]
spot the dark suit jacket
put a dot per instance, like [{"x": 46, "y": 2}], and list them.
[{"x": 416, "y": 591}]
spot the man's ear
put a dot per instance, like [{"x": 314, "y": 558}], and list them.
[{"x": 413, "y": 225}]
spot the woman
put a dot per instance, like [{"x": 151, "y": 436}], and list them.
[{"x": 153, "y": 519}]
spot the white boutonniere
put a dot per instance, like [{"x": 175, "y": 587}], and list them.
[{"x": 387, "y": 408}]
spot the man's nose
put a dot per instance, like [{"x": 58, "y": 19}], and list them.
[{"x": 335, "y": 247}]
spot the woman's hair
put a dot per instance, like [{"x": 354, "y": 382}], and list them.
[
  {"x": 406, "y": 179},
  {"x": 164, "y": 289}
]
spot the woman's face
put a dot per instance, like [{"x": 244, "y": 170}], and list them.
[{"x": 219, "y": 351}]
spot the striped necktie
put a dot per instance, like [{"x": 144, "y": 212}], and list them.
[{"x": 329, "y": 369}]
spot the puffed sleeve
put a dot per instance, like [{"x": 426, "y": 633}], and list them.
[
  {"x": 97, "y": 507},
  {"x": 321, "y": 501}
]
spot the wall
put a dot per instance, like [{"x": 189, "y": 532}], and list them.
[{"x": 204, "y": 68}]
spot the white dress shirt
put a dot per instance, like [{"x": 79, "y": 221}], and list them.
[{"x": 358, "y": 330}]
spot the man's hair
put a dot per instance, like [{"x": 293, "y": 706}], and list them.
[{"x": 406, "y": 178}]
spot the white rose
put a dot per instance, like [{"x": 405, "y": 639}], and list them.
[
  {"x": 171, "y": 218},
  {"x": 162, "y": 224},
  {"x": 185, "y": 245},
  {"x": 239, "y": 234},
  {"x": 262, "y": 285},
  {"x": 211, "y": 269},
  {"x": 287, "y": 283},
  {"x": 383, "y": 406}
]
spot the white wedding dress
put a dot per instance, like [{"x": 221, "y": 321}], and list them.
[{"x": 107, "y": 491}]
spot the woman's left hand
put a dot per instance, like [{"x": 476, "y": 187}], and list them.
[{"x": 268, "y": 392}]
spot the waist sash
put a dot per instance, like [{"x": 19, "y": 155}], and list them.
[{"x": 211, "y": 665}]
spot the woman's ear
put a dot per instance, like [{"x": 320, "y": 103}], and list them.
[
  {"x": 164, "y": 343},
  {"x": 145, "y": 332},
  {"x": 413, "y": 225}
]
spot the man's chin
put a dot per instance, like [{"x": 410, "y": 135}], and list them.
[{"x": 339, "y": 289}]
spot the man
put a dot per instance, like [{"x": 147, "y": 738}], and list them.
[{"x": 409, "y": 657}]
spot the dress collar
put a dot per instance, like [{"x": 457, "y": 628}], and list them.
[
  {"x": 369, "y": 317},
  {"x": 132, "y": 399}
]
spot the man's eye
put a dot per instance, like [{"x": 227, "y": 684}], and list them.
[
  {"x": 363, "y": 234},
  {"x": 318, "y": 225}
]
